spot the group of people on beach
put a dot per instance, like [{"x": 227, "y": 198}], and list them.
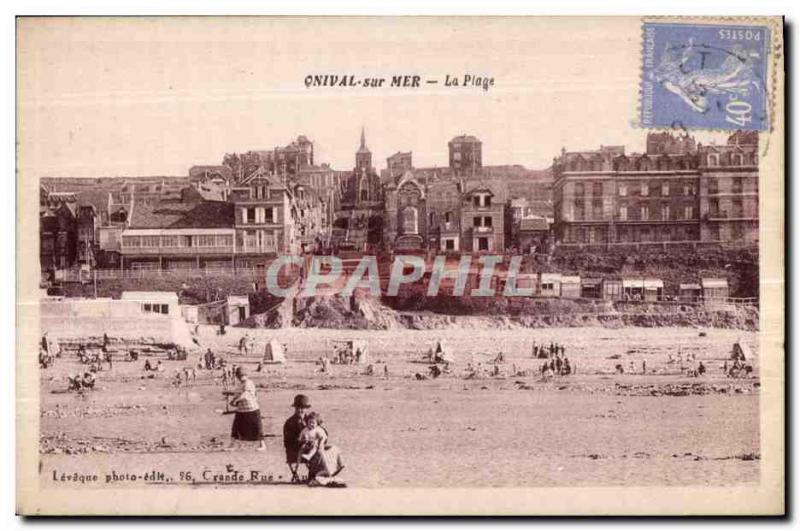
[
  {"x": 546, "y": 351},
  {"x": 557, "y": 366},
  {"x": 305, "y": 437}
]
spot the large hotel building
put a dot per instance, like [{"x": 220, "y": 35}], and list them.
[{"x": 677, "y": 191}]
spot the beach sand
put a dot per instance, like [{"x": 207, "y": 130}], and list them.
[{"x": 592, "y": 428}]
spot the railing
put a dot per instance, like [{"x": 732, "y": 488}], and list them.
[
  {"x": 119, "y": 274},
  {"x": 694, "y": 244}
]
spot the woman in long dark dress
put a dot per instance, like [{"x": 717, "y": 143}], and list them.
[{"x": 247, "y": 420}]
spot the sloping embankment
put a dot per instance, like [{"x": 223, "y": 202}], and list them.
[{"x": 367, "y": 313}]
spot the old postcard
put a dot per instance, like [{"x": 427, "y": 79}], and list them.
[{"x": 412, "y": 266}]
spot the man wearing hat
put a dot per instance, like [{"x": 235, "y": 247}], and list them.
[{"x": 291, "y": 431}]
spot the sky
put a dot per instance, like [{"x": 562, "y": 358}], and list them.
[{"x": 150, "y": 96}]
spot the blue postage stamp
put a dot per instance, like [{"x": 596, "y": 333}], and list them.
[{"x": 703, "y": 76}]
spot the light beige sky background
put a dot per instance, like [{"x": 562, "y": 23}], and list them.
[{"x": 150, "y": 96}]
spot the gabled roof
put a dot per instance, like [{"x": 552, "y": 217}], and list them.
[
  {"x": 261, "y": 172},
  {"x": 408, "y": 177},
  {"x": 174, "y": 215}
]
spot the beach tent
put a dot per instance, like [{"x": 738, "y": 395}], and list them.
[
  {"x": 442, "y": 353},
  {"x": 274, "y": 352},
  {"x": 741, "y": 351}
]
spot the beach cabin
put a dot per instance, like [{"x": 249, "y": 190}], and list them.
[
  {"x": 159, "y": 302},
  {"x": 591, "y": 288},
  {"x": 691, "y": 292},
  {"x": 550, "y": 284},
  {"x": 714, "y": 289},
  {"x": 633, "y": 289},
  {"x": 570, "y": 287},
  {"x": 238, "y": 309},
  {"x": 190, "y": 313},
  {"x": 653, "y": 289},
  {"x": 612, "y": 289}
]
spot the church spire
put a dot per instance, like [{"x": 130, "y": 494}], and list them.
[{"x": 363, "y": 139}]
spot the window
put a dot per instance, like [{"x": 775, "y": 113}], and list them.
[
  {"x": 713, "y": 159},
  {"x": 155, "y": 308},
  {"x": 548, "y": 286},
  {"x": 449, "y": 244},
  {"x": 713, "y": 185},
  {"x": 205, "y": 240},
  {"x": 645, "y": 234},
  {"x": 580, "y": 213},
  {"x": 132, "y": 242},
  {"x": 737, "y": 231},
  {"x": 579, "y": 189},
  {"x": 597, "y": 189},
  {"x": 737, "y": 186},
  {"x": 169, "y": 241},
  {"x": 688, "y": 212},
  {"x": 645, "y": 189},
  {"x": 623, "y": 213},
  {"x": 645, "y": 212},
  {"x": 623, "y": 189},
  {"x": 665, "y": 189},
  {"x": 738, "y": 208},
  {"x": 483, "y": 244},
  {"x": 448, "y": 217},
  {"x": 713, "y": 208},
  {"x": 737, "y": 159},
  {"x": 482, "y": 221},
  {"x": 150, "y": 241},
  {"x": 597, "y": 209},
  {"x": 688, "y": 189},
  {"x": 665, "y": 212}
]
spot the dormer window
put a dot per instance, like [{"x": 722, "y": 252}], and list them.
[{"x": 482, "y": 200}]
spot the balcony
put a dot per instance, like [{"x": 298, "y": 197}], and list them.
[{"x": 180, "y": 251}]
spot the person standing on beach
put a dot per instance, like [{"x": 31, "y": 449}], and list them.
[{"x": 247, "y": 420}]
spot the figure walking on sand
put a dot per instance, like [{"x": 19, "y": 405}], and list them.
[{"x": 247, "y": 420}]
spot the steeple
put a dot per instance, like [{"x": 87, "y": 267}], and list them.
[{"x": 363, "y": 155}]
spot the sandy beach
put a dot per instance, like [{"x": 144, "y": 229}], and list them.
[{"x": 592, "y": 428}]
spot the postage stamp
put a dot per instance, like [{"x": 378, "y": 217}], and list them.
[{"x": 701, "y": 76}]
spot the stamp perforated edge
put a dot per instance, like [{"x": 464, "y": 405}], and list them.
[{"x": 775, "y": 48}]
